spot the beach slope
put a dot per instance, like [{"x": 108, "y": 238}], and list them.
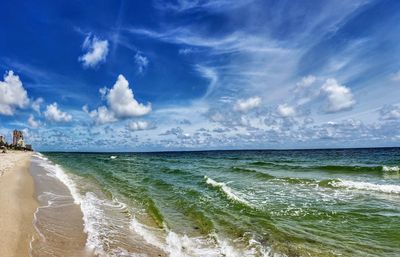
[{"x": 17, "y": 203}]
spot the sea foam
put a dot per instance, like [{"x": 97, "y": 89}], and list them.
[
  {"x": 389, "y": 189},
  {"x": 227, "y": 190},
  {"x": 176, "y": 245},
  {"x": 391, "y": 168},
  {"x": 93, "y": 216}
]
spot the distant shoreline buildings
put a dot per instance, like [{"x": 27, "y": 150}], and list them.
[{"x": 18, "y": 142}]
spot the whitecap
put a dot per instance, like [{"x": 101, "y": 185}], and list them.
[
  {"x": 227, "y": 190},
  {"x": 383, "y": 188},
  {"x": 391, "y": 168}
]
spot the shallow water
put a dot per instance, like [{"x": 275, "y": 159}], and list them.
[{"x": 237, "y": 203}]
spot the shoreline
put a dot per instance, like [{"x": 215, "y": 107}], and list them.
[
  {"x": 78, "y": 220},
  {"x": 17, "y": 203},
  {"x": 58, "y": 220}
]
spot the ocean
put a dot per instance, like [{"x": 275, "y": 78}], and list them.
[{"x": 339, "y": 202}]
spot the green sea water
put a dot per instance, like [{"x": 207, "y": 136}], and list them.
[{"x": 239, "y": 203}]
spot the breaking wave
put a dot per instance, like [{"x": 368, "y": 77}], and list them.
[
  {"x": 226, "y": 190},
  {"x": 202, "y": 246},
  {"x": 332, "y": 168},
  {"x": 389, "y": 189},
  {"x": 391, "y": 168}
]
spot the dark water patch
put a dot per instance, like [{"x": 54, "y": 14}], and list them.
[
  {"x": 256, "y": 173},
  {"x": 349, "y": 168}
]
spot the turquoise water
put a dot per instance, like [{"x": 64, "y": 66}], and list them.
[{"x": 239, "y": 203}]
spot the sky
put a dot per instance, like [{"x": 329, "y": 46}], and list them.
[{"x": 157, "y": 75}]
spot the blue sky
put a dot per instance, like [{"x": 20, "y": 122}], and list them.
[{"x": 189, "y": 75}]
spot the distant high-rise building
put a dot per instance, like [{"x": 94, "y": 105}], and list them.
[
  {"x": 18, "y": 138},
  {"x": 2, "y": 140}
]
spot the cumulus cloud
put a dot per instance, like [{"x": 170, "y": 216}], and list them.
[
  {"x": 307, "y": 81},
  {"x": 37, "y": 104},
  {"x": 390, "y": 112},
  {"x": 121, "y": 104},
  {"x": 340, "y": 97},
  {"x": 54, "y": 114},
  {"x": 101, "y": 115},
  {"x": 103, "y": 92},
  {"x": 32, "y": 122},
  {"x": 173, "y": 131},
  {"x": 139, "y": 125},
  {"x": 141, "y": 62},
  {"x": 245, "y": 105},
  {"x": 97, "y": 51},
  {"x": 285, "y": 110},
  {"x": 12, "y": 94}
]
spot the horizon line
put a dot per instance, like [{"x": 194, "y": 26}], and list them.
[{"x": 229, "y": 150}]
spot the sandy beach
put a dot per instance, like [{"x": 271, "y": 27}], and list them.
[{"x": 17, "y": 203}]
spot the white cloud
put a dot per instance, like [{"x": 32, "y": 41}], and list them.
[
  {"x": 245, "y": 105},
  {"x": 32, "y": 122},
  {"x": 97, "y": 51},
  {"x": 307, "y": 81},
  {"x": 339, "y": 96},
  {"x": 211, "y": 5},
  {"x": 12, "y": 94},
  {"x": 103, "y": 92},
  {"x": 54, "y": 114},
  {"x": 139, "y": 125},
  {"x": 305, "y": 90},
  {"x": 36, "y": 104},
  {"x": 121, "y": 104},
  {"x": 102, "y": 115},
  {"x": 390, "y": 112},
  {"x": 285, "y": 110},
  {"x": 141, "y": 61},
  {"x": 211, "y": 75}
]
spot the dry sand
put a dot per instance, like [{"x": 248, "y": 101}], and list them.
[{"x": 17, "y": 204}]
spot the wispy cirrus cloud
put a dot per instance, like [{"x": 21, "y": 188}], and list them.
[{"x": 187, "y": 5}]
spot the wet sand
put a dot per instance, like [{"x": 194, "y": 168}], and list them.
[
  {"x": 58, "y": 220},
  {"x": 60, "y": 226},
  {"x": 17, "y": 204},
  {"x": 38, "y": 215}
]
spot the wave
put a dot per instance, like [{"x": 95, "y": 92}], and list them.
[
  {"x": 94, "y": 218},
  {"x": 390, "y": 168},
  {"x": 226, "y": 190},
  {"x": 349, "y": 168},
  {"x": 203, "y": 246},
  {"x": 251, "y": 171},
  {"x": 262, "y": 163},
  {"x": 333, "y": 168},
  {"x": 389, "y": 189}
]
